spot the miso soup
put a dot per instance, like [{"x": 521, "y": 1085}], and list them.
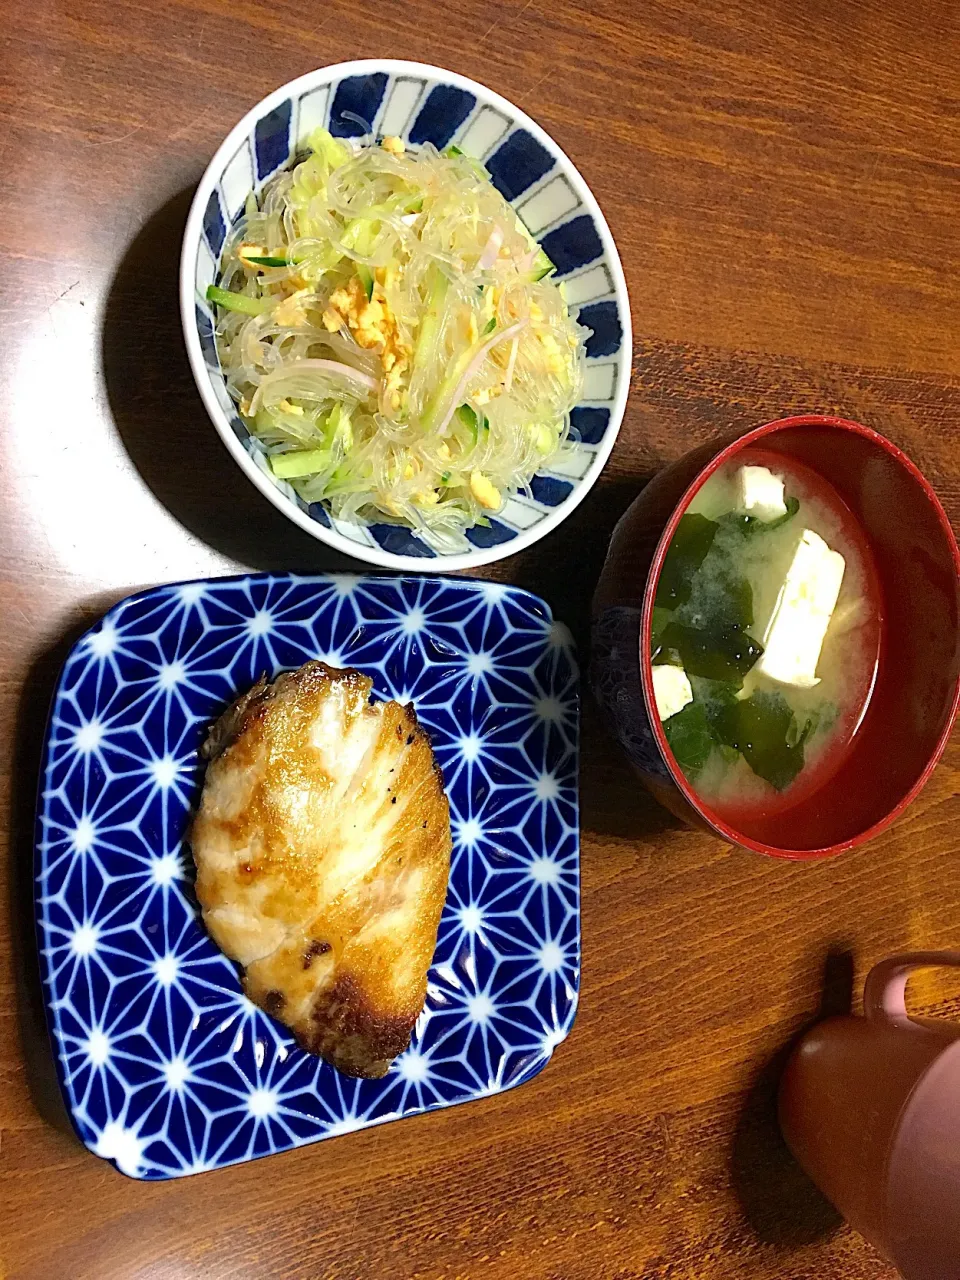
[{"x": 765, "y": 637}]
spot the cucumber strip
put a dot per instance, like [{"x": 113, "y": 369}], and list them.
[
  {"x": 279, "y": 258},
  {"x": 359, "y": 236},
  {"x": 366, "y": 279},
  {"x": 430, "y": 324},
  {"x": 453, "y": 152},
  {"x": 542, "y": 266},
  {"x": 302, "y": 462},
  {"x": 340, "y": 427},
  {"x": 237, "y": 301},
  {"x": 473, "y": 421},
  {"x": 322, "y": 143}
]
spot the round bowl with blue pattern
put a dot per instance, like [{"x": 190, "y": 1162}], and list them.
[{"x": 422, "y": 104}]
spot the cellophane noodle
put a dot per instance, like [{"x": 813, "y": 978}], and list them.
[{"x": 393, "y": 335}]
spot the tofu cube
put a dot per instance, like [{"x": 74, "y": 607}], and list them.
[
  {"x": 760, "y": 493},
  {"x": 671, "y": 690},
  {"x": 805, "y": 605}
]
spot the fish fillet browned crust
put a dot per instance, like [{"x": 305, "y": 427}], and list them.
[{"x": 322, "y": 846}]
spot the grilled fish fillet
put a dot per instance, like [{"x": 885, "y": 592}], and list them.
[{"x": 322, "y": 846}]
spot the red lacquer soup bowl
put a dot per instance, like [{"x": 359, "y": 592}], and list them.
[{"x": 917, "y": 686}]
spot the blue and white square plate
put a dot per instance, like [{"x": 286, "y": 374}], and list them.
[{"x": 167, "y": 1069}]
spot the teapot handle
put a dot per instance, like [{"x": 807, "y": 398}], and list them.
[{"x": 884, "y": 992}]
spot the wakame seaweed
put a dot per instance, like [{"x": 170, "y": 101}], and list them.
[
  {"x": 718, "y": 653},
  {"x": 687, "y": 552},
  {"x": 767, "y": 733}
]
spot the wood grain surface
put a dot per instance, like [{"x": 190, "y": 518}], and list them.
[{"x": 783, "y": 181}]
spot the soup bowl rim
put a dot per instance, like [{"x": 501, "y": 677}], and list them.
[{"x": 715, "y": 821}]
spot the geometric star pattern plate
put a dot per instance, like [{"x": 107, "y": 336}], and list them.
[{"x": 167, "y": 1069}]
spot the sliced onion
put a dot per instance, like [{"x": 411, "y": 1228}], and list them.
[
  {"x": 319, "y": 366},
  {"x": 473, "y": 367},
  {"x": 491, "y": 249}
]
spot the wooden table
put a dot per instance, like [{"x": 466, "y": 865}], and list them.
[{"x": 783, "y": 184}]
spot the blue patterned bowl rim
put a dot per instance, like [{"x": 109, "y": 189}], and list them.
[{"x": 216, "y": 400}]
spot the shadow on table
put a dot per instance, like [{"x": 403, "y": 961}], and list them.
[
  {"x": 564, "y": 566},
  {"x": 163, "y": 424},
  {"x": 32, "y": 711},
  {"x": 613, "y": 801},
  {"x": 564, "y": 569},
  {"x": 778, "y": 1199}
]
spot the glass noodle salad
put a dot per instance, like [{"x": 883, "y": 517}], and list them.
[{"x": 391, "y": 332}]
